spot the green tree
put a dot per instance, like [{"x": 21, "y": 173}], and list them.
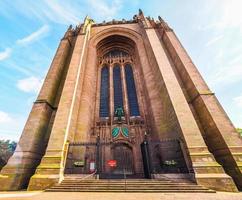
[
  {"x": 239, "y": 131},
  {"x": 7, "y": 148}
]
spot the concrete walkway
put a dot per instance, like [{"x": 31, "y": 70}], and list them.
[{"x": 118, "y": 196}]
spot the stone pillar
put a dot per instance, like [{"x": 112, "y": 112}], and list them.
[
  {"x": 87, "y": 102},
  {"x": 206, "y": 170},
  {"x": 111, "y": 98},
  {"x": 151, "y": 92},
  {"x": 53, "y": 78},
  {"x": 97, "y": 105},
  {"x": 125, "y": 97},
  {"x": 31, "y": 146},
  {"x": 51, "y": 168},
  {"x": 140, "y": 91},
  {"x": 219, "y": 133}
]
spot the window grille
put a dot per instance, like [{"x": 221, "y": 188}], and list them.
[
  {"x": 117, "y": 86},
  {"x": 104, "y": 93},
  {"x": 131, "y": 90}
]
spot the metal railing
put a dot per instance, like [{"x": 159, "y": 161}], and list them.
[
  {"x": 125, "y": 180},
  {"x": 65, "y": 153},
  {"x": 89, "y": 175}
]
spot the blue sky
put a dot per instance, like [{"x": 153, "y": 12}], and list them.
[{"x": 210, "y": 30}]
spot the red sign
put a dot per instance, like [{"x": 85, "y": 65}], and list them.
[{"x": 112, "y": 163}]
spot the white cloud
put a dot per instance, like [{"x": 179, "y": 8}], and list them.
[
  {"x": 206, "y": 27},
  {"x": 227, "y": 75},
  {"x": 5, "y": 54},
  {"x": 35, "y": 35},
  {"x": 238, "y": 101},
  {"x": 236, "y": 59},
  {"x": 223, "y": 60},
  {"x": 231, "y": 14},
  {"x": 12, "y": 64},
  {"x": 65, "y": 12},
  {"x": 4, "y": 117},
  {"x": 214, "y": 40},
  {"x": 104, "y": 9},
  {"x": 226, "y": 15},
  {"x": 12, "y": 126},
  {"x": 30, "y": 84},
  {"x": 62, "y": 12}
]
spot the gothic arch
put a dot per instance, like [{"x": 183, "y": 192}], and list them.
[{"x": 122, "y": 31}]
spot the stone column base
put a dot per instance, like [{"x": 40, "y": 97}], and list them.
[
  {"x": 218, "y": 182},
  {"x": 48, "y": 173},
  {"x": 42, "y": 182},
  {"x": 13, "y": 182}
]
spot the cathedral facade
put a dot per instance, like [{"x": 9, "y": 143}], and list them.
[{"x": 124, "y": 98}]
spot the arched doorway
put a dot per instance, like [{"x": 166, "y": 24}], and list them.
[{"x": 123, "y": 154}]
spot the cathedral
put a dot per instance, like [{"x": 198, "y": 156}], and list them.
[{"x": 123, "y": 99}]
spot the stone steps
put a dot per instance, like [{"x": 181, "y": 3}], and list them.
[{"x": 130, "y": 185}]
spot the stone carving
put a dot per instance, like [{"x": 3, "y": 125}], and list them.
[
  {"x": 164, "y": 25},
  {"x": 119, "y": 112},
  {"x": 123, "y": 130}
]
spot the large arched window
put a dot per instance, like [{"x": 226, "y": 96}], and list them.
[
  {"x": 117, "y": 86},
  {"x": 114, "y": 53},
  {"x": 131, "y": 91},
  {"x": 104, "y": 93}
]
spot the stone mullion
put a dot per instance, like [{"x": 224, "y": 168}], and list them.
[
  {"x": 139, "y": 92},
  {"x": 97, "y": 105},
  {"x": 111, "y": 98},
  {"x": 125, "y": 94}
]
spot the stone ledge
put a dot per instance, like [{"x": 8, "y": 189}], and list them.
[
  {"x": 49, "y": 166},
  {"x": 200, "y": 154},
  {"x": 212, "y": 175},
  {"x": 52, "y": 157},
  {"x": 42, "y": 182}
]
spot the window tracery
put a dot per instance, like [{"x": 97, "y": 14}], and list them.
[
  {"x": 131, "y": 91},
  {"x": 104, "y": 92},
  {"x": 117, "y": 87},
  {"x": 116, "y": 53}
]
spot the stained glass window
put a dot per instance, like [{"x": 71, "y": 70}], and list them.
[
  {"x": 132, "y": 96},
  {"x": 117, "y": 86},
  {"x": 114, "y": 53},
  {"x": 104, "y": 93}
]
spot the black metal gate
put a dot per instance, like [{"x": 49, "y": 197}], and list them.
[
  {"x": 167, "y": 156},
  {"x": 82, "y": 158},
  {"x": 159, "y": 157},
  {"x": 87, "y": 157},
  {"x": 146, "y": 159}
]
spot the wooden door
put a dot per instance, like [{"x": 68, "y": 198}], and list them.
[{"x": 124, "y": 156}]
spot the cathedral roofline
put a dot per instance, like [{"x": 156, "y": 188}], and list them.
[{"x": 146, "y": 22}]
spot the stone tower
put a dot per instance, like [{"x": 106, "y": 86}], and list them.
[{"x": 116, "y": 84}]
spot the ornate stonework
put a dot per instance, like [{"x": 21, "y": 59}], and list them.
[{"x": 112, "y": 89}]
